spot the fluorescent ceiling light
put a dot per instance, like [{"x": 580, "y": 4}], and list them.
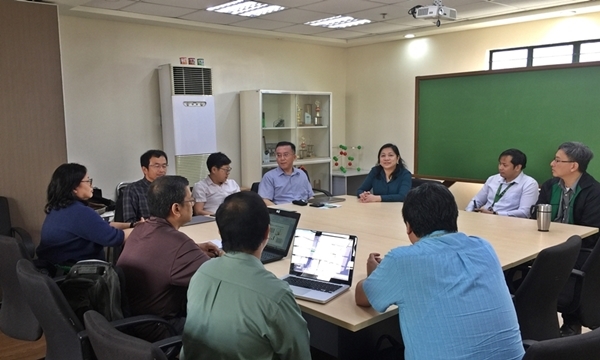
[
  {"x": 246, "y": 8},
  {"x": 409, "y": 36},
  {"x": 338, "y": 22}
]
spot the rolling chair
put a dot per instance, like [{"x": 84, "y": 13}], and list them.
[
  {"x": 581, "y": 295},
  {"x": 16, "y": 318},
  {"x": 110, "y": 344},
  {"x": 65, "y": 335},
  {"x": 7, "y": 229},
  {"x": 578, "y": 347},
  {"x": 536, "y": 299}
]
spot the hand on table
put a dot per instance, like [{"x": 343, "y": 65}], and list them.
[{"x": 211, "y": 249}]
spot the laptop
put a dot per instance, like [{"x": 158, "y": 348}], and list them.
[
  {"x": 281, "y": 236},
  {"x": 322, "y": 265},
  {"x": 199, "y": 219}
]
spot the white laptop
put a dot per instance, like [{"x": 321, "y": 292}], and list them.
[{"x": 322, "y": 265}]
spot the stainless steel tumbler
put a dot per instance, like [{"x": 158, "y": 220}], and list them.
[{"x": 544, "y": 214}]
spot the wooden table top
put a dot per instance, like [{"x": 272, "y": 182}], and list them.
[{"x": 379, "y": 227}]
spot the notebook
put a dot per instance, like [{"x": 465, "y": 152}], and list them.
[
  {"x": 281, "y": 236},
  {"x": 322, "y": 198},
  {"x": 199, "y": 219},
  {"x": 322, "y": 265}
]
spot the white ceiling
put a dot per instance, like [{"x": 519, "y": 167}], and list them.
[{"x": 390, "y": 18}]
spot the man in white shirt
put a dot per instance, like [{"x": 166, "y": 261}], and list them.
[
  {"x": 510, "y": 192},
  {"x": 210, "y": 192}
]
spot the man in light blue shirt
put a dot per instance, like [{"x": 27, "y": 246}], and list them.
[
  {"x": 285, "y": 183},
  {"x": 510, "y": 192},
  {"x": 452, "y": 298}
]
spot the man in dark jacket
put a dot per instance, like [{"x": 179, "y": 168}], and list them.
[{"x": 575, "y": 198}]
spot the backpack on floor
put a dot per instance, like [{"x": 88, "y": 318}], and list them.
[{"x": 93, "y": 285}]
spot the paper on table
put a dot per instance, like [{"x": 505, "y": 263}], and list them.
[
  {"x": 218, "y": 243},
  {"x": 329, "y": 206}
]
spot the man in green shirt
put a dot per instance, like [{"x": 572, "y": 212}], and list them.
[{"x": 236, "y": 308}]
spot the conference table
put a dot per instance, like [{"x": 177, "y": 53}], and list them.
[{"x": 343, "y": 329}]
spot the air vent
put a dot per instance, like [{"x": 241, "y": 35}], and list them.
[{"x": 192, "y": 80}]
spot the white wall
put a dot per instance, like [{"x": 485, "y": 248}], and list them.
[
  {"x": 112, "y": 105},
  {"x": 381, "y": 78}
]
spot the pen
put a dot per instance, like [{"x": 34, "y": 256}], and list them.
[{"x": 474, "y": 205}]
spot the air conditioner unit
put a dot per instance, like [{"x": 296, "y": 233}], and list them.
[
  {"x": 435, "y": 12},
  {"x": 188, "y": 118}
]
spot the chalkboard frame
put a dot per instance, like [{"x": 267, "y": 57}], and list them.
[{"x": 541, "y": 147}]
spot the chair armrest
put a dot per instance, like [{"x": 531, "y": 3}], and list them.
[
  {"x": 577, "y": 274},
  {"x": 25, "y": 240},
  {"x": 527, "y": 343},
  {"x": 167, "y": 343},
  {"x": 140, "y": 320}
]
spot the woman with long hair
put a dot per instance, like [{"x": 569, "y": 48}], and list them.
[{"x": 72, "y": 231}]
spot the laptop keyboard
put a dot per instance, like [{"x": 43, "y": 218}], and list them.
[
  {"x": 267, "y": 256},
  {"x": 311, "y": 284}
]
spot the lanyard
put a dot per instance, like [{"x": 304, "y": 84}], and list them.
[{"x": 499, "y": 194}]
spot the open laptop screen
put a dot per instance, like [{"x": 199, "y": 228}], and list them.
[
  {"x": 283, "y": 226},
  {"x": 323, "y": 256}
]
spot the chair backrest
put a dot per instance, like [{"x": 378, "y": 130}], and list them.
[
  {"x": 16, "y": 318},
  {"x": 58, "y": 321},
  {"x": 418, "y": 182},
  {"x": 537, "y": 297},
  {"x": 577, "y": 347},
  {"x": 589, "y": 307},
  {"x": 119, "y": 203},
  {"x": 5, "y": 224},
  {"x": 110, "y": 344},
  {"x": 254, "y": 187}
]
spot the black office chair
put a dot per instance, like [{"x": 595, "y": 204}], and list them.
[
  {"x": 7, "y": 229},
  {"x": 579, "y": 347},
  {"x": 536, "y": 299},
  {"x": 16, "y": 319},
  {"x": 315, "y": 190},
  {"x": 110, "y": 344},
  {"x": 581, "y": 295},
  {"x": 119, "y": 202},
  {"x": 254, "y": 187},
  {"x": 418, "y": 182},
  {"x": 64, "y": 333}
]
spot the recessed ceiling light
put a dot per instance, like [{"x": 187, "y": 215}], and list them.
[
  {"x": 338, "y": 22},
  {"x": 246, "y": 8},
  {"x": 409, "y": 36}
]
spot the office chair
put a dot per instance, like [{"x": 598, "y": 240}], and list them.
[
  {"x": 64, "y": 333},
  {"x": 418, "y": 182},
  {"x": 536, "y": 299},
  {"x": 581, "y": 295},
  {"x": 119, "y": 203},
  {"x": 254, "y": 187},
  {"x": 578, "y": 347},
  {"x": 110, "y": 344},
  {"x": 16, "y": 318},
  {"x": 7, "y": 229},
  {"x": 327, "y": 193}
]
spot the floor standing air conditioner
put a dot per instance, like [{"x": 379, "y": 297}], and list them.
[{"x": 188, "y": 119}]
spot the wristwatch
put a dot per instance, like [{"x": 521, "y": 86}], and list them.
[{"x": 132, "y": 224}]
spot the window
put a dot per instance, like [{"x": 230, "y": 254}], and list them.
[{"x": 553, "y": 54}]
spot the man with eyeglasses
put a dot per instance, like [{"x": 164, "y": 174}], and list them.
[
  {"x": 510, "y": 192},
  {"x": 135, "y": 203},
  {"x": 210, "y": 192},
  {"x": 285, "y": 183},
  {"x": 575, "y": 198},
  {"x": 159, "y": 260}
]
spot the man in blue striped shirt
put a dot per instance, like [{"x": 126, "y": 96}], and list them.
[{"x": 452, "y": 298}]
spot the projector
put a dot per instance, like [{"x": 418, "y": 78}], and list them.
[{"x": 435, "y": 12}]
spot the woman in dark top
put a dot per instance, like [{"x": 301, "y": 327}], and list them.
[
  {"x": 388, "y": 180},
  {"x": 72, "y": 231}
]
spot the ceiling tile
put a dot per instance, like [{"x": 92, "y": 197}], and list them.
[
  {"x": 303, "y": 29},
  {"x": 374, "y": 14},
  {"x": 380, "y": 28},
  {"x": 258, "y": 23},
  {"x": 292, "y": 3},
  {"x": 484, "y": 8},
  {"x": 213, "y": 17},
  {"x": 190, "y": 4},
  {"x": 340, "y": 7},
  {"x": 157, "y": 10},
  {"x": 341, "y": 34},
  {"x": 112, "y": 5},
  {"x": 296, "y": 16}
]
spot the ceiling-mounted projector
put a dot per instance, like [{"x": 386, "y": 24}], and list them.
[{"x": 435, "y": 11}]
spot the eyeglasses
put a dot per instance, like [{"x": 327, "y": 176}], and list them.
[
  {"x": 160, "y": 166},
  {"x": 284, "y": 155},
  {"x": 192, "y": 201},
  {"x": 90, "y": 180},
  {"x": 227, "y": 169},
  {"x": 563, "y": 161}
]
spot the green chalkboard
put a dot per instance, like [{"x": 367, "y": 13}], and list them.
[{"x": 464, "y": 121}]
